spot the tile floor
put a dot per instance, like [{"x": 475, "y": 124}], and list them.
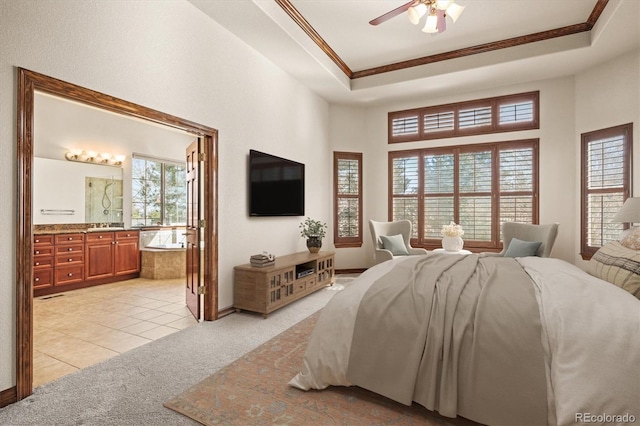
[{"x": 79, "y": 328}]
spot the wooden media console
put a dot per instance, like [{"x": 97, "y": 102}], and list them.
[{"x": 291, "y": 277}]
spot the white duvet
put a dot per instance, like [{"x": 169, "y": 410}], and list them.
[{"x": 590, "y": 334}]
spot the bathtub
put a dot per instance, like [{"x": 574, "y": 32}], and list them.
[
  {"x": 163, "y": 261},
  {"x": 171, "y": 246}
]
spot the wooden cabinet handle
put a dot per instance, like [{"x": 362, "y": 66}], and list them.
[
  {"x": 70, "y": 238},
  {"x": 70, "y": 249},
  {"x": 37, "y": 263},
  {"x": 37, "y": 241},
  {"x": 37, "y": 279},
  {"x": 99, "y": 237},
  {"x": 69, "y": 274},
  {"x": 37, "y": 251},
  {"x": 70, "y": 260}
]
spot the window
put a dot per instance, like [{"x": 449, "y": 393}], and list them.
[
  {"x": 606, "y": 184},
  {"x": 347, "y": 169},
  {"x": 159, "y": 192},
  {"x": 492, "y": 115},
  {"x": 478, "y": 186}
]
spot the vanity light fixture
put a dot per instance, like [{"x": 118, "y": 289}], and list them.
[{"x": 94, "y": 157}]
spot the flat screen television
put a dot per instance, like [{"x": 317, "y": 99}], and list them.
[{"x": 276, "y": 186}]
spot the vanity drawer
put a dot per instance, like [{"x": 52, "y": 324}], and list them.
[
  {"x": 42, "y": 278},
  {"x": 43, "y": 240},
  {"x": 69, "y": 259},
  {"x": 69, "y": 239},
  {"x": 69, "y": 274},
  {"x": 40, "y": 262},
  {"x": 127, "y": 235},
  {"x": 100, "y": 237},
  {"x": 43, "y": 251},
  {"x": 78, "y": 248}
]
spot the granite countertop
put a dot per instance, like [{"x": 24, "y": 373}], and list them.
[{"x": 72, "y": 229}]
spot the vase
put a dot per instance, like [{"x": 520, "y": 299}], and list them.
[
  {"x": 314, "y": 244},
  {"x": 452, "y": 243}
]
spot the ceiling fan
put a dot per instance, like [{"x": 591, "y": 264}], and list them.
[{"x": 436, "y": 11}]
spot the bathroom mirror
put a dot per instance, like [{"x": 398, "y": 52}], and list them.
[{"x": 68, "y": 192}]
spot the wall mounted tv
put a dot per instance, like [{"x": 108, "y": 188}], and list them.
[{"x": 276, "y": 186}]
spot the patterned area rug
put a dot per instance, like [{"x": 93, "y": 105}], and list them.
[{"x": 253, "y": 391}]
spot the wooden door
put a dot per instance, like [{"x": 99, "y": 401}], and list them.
[
  {"x": 99, "y": 255},
  {"x": 127, "y": 253},
  {"x": 99, "y": 262},
  {"x": 193, "y": 227}
]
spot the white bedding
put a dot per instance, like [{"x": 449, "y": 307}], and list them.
[{"x": 590, "y": 334}]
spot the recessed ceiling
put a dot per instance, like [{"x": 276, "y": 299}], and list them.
[{"x": 330, "y": 46}]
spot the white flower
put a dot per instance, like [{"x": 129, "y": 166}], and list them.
[{"x": 452, "y": 230}]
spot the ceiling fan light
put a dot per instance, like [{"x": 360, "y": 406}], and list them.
[
  {"x": 431, "y": 26},
  {"x": 454, "y": 11},
  {"x": 416, "y": 12},
  {"x": 443, "y": 4}
]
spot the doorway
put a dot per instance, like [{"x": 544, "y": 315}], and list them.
[{"x": 28, "y": 83}]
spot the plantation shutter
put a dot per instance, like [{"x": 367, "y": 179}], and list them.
[
  {"x": 517, "y": 171},
  {"x": 348, "y": 199},
  {"x": 474, "y": 117},
  {"x": 405, "y": 182},
  {"x": 438, "y": 122},
  {"x": 439, "y": 184},
  {"x": 475, "y": 180},
  {"x": 515, "y": 112},
  {"x": 606, "y": 183}
]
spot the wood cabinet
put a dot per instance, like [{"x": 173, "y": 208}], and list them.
[
  {"x": 127, "y": 252},
  {"x": 100, "y": 248},
  {"x": 69, "y": 263},
  {"x": 74, "y": 260},
  {"x": 43, "y": 261},
  {"x": 291, "y": 277}
]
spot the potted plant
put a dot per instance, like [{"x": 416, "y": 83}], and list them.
[
  {"x": 452, "y": 237},
  {"x": 313, "y": 231}
]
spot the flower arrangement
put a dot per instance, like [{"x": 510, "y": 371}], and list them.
[
  {"x": 312, "y": 228},
  {"x": 452, "y": 230}
]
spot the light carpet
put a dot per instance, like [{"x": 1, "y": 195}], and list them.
[{"x": 130, "y": 389}]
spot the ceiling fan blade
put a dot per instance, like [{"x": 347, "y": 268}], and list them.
[{"x": 395, "y": 12}]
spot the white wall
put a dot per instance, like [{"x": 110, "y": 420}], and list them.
[
  {"x": 556, "y": 136},
  {"x": 607, "y": 95},
  {"x": 171, "y": 57}
]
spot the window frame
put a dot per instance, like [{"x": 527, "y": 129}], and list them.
[
  {"x": 625, "y": 130},
  {"x": 338, "y": 241},
  {"x": 163, "y": 163},
  {"x": 495, "y": 126},
  {"x": 495, "y": 243}
]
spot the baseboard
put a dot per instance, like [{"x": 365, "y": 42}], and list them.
[
  {"x": 225, "y": 311},
  {"x": 350, "y": 271},
  {"x": 8, "y": 396}
]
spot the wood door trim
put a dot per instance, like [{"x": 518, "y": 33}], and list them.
[{"x": 28, "y": 83}]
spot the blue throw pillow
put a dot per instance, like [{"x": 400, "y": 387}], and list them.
[
  {"x": 519, "y": 248},
  {"x": 395, "y": 244}
]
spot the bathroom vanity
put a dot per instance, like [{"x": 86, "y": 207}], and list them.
[{"x": 69, "y": 260}]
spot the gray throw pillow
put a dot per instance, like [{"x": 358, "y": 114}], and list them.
[
  {"x": 395, "y": 244},
  {"x": 519, "y": 248}
]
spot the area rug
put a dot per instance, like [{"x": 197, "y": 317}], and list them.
[{"x": 253, "y": 390}]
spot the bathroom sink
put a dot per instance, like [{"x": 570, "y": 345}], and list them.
[{"x": 110, "y": 228}]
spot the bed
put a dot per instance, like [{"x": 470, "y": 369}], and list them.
[{"x": 500, "y": 341}]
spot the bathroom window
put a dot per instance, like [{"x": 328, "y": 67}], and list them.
[{"x": 159, "y": 192}]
